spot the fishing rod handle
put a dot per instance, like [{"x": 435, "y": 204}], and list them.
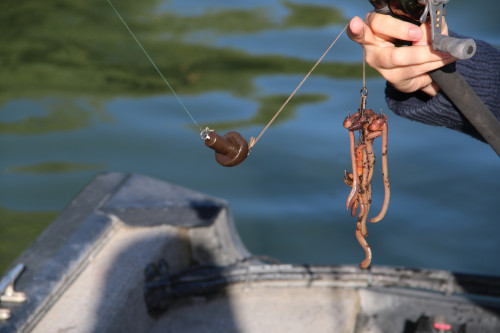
[{"x": 470, "y": 105}]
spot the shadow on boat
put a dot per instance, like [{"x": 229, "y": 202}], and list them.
[{"x": 134, "y": 254}]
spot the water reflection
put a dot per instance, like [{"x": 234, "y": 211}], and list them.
[
  {"x": 54, "y": 167},
  {"x": 268, "y": 107},
  {"x": 78, "y": 97},
  {"x": 66, "y": 48},
  {"x": 18, "y": 230},
  {"x": 69, "y": 49},
  {"x": 61, "y": 61},
  {"x": 50, "y": 115}
]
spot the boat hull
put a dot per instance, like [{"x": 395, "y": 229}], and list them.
[{"x": 135, "y": 254}]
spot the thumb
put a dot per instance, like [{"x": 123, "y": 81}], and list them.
[{"x": 359, "y": 31}]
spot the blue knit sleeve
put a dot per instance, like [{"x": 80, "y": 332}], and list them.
[{"x": 482, "y": 73}]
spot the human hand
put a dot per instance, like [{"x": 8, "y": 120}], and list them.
[{"x": 405, "y": 68}]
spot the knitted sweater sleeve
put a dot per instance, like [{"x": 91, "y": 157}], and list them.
[{"x": 482, "y": 73}]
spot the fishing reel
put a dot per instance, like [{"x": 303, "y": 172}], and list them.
[{"x": 417, "y": 12}]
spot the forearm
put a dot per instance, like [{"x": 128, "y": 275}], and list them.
[{"x": 482, "y": 72}]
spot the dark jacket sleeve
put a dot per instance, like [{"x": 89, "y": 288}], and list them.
[{"x": 482, "y": 73}]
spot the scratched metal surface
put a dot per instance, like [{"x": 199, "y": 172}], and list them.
[{"x": 78, "y": 98}]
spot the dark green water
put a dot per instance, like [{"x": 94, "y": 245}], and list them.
[{"x": 77, "y": 97}]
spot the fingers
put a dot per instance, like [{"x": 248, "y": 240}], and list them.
[
  {"x": 382, "y": 28},
  {"x": 355, "y": 31},
  {"x": 391, "y": 28},
  {"x": 412, "y": 78},
  {"x": 405, "y": 68},
  {"x": 406, "y": 72},
  {"x": 415, "y": 83},
  {"x": 382, "y": 31},
  {"x": 388, "y": 58}
]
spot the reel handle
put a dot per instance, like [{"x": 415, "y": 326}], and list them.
[{"x": 457, "y": 47}]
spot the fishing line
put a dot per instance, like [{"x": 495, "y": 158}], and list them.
[
  {"x": 364, "y": 56},
  {"x": 153, "y": 63},
  {"x": 364, "y": 91},
  {"x": 253, "y": 140},
  {"x": 230, "y": 149}
]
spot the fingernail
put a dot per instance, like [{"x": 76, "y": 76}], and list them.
[{"x": 415, "y": 33}]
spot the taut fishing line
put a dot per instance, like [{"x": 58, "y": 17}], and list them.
[
  {"x": 230, "y": 149},
  {"x": 253, "y": 141},
  {"x": 153, "y": 63}
]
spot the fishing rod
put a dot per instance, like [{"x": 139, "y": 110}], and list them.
[{"x": 448, "y": 78}]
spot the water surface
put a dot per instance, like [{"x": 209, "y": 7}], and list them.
[{"x": 77, "y": 98}]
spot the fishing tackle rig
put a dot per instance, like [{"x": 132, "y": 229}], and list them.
[
  {"x": 448, "y": 78},
  {"x": 369, "y": 126},
  {"x": 231, "y": 149}
]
